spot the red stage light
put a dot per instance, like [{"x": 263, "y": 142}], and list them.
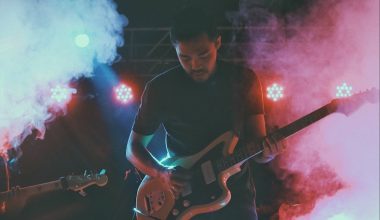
[{"x": 123, "y": 93}]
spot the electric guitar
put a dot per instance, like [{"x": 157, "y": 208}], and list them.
[
  {"x": 217, "y": 162},
  {"x": 12, "y": 201}
]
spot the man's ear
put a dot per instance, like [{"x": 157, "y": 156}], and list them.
[{"x": 218, "y": 42}]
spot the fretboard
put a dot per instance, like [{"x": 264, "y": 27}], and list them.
[
  {"x": 249, "y": 151},
  {"x": 303, "y": 122},
  {"x": 29, "y": 191}
]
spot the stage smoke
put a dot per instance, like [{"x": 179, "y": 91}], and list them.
[
  {"x": 40, "y": 48},
  {"x": 332, "y": 168}
]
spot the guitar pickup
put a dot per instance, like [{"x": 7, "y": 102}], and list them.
[{"x": 208, "y": 172}]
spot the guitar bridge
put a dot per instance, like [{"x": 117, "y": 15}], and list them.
[{"x": 154, "y": 201}]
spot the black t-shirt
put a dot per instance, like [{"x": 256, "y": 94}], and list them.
[{"x": 195, "y": 113}]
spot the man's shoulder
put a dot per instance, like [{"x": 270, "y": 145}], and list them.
[
  {"x": 167, "y": 76},
  {"x": 238, "y": 71}
]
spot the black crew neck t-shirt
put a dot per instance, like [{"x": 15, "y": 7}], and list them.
[{"x": 195, "y": 113}]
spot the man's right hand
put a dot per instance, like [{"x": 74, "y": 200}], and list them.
[{"x": 175, "y": 179}]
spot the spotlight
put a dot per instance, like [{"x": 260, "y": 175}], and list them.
[
  {"x": 82, "y": 40},
  {"x": 275, "y": 92},
  {"x": 62, "y": 94},
  {"x": 123, "y": 93},
  {"x": 343, "y": 91}
]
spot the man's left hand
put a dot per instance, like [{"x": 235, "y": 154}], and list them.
[{"x": 271, "y": 148}]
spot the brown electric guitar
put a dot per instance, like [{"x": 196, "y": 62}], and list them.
[
  {"x": 14, "y": 200},
  {"x": 217, "y": 162}
]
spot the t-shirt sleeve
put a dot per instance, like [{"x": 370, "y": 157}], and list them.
[
  {"x": 255, "y": 102},
  {"x": 149, "y": 114}
]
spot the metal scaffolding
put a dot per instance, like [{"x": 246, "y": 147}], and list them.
[{"x": 148, "y": 51}]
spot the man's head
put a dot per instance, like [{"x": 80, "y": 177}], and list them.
[{"x": 196, "y": 41}]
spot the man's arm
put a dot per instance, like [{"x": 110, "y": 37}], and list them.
[
  {"x": 144, "y": 161},
  {"x": 257, "y": 131},
  {"x": 140, "y": 157}
]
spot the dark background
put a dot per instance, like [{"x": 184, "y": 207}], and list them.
[{"x": 93, "y": 133}]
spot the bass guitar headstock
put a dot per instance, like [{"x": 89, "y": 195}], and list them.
[
  {"x": 350, "y": 104},
  {"x": 78, "y": 183}
]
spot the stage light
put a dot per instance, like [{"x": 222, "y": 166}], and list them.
[
  {"x": 82, "y": 40},
  {"x": 123, "y": 93},
  {"x": 275, "y": 92},
  {"x": 61, "y": 94},
  {"x": 343, "y": 91}
]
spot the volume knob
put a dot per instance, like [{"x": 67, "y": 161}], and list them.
[
  {"x": 186, "y": 203},
  {"x": 175, "y": 212}
]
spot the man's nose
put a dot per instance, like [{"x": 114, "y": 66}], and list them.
[{"x": 195, "y": 64}]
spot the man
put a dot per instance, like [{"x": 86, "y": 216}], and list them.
[{"x": 196, "y": 102}]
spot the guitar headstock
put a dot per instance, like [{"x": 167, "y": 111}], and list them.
[
  {"x": 350, "y": 104},
  {"x": 79, "y": 182}
]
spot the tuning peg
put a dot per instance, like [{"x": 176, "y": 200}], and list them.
[
  {"x": 102, "y": 172},
  {"x": 82, "y": 193}
]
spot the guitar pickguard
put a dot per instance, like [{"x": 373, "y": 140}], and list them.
[{"x": 207, "y": 190}]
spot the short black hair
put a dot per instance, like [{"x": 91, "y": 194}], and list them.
[{"x": 191, "y": 22}]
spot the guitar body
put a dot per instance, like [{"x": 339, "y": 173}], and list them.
[{"x": 206, "y": 192}]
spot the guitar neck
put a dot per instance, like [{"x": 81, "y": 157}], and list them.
[
  {"x": 30, "y": 191},
  {"x": 43, "y": 188},
  {"x": 249, "y": 151},
  {"x": 303, "y": 122}
]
